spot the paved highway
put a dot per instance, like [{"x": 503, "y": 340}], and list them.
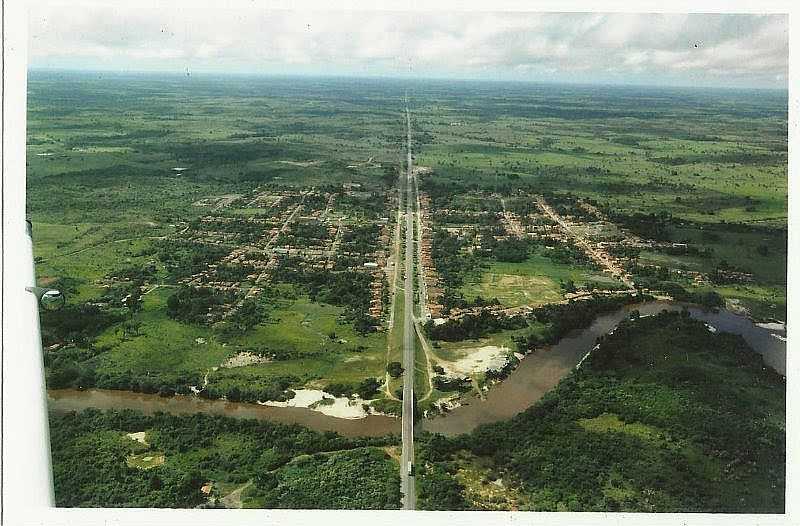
[{"x": 407, "y": 485}]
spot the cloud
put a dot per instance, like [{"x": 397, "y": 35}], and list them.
[{"x": 718, "y": 49}]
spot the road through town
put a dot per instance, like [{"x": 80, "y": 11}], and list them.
[{"x": 407, "y": 459}]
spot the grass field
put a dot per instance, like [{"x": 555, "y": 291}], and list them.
[
  {"x": 147, "y": 460},
  {"x": 730, "y": 167},
  {"x": 534, "y": 282}
]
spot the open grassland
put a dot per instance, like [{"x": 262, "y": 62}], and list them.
[
  {"x": 535, "y": 281},
  {"x": 124, "y": 173},
  {"x": 703, "y": 156}
]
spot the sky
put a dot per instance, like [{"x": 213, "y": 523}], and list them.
[{"x": 742, "y": 51}]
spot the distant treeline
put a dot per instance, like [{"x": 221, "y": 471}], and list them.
[{"x": 749, "y": 158}]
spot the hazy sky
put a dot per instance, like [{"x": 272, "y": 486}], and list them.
[{"x": 705, "y": 50}]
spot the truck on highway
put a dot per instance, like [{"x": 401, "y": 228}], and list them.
[{"x": 410, "y": 469}]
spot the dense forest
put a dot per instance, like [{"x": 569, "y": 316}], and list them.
[
  {"x": 94, "y": 462},
  {"x": 686, "y": 419}
]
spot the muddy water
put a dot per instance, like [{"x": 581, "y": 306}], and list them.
[
  {"x": 541, "y": 371},
  {"x": 536, "y": 374},
  {"x": 64, "y": 400}
]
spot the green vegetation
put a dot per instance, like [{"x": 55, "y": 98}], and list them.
[
  {"x": 549, "y": 323},
  {"x": 534, "y": 281},
  {"x": 364, "y": 478},
  {"x": 686, "y": 419},
  {"x": 544, "y": 136},
  {"x": 192, "y": 304},
  {"x": 704, "y": 168},
  {"x": 145, "y": 460},
  {"x": 395, "y": 369},
  {"x": 136, "y": 218},
  {"x": 96, "y": 464},
  {"x": 227, "y": 238}
]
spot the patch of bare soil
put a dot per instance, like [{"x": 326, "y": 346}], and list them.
[
  {"x": 302, "y": 164},
  {"x": 233, "y": 500},
  {"x": 243, "y": 359},
  {"x": 140, "y": 437}
]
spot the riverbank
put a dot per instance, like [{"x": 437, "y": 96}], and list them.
[
  {"x": 64, "y": 400},
  {"x": 541, "y": 370},
  {"x": 665, "y": 415},
  {"x": 536, "y": 374},
  {"x": 335, "y": 406}
]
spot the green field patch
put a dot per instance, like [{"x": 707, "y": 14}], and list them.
[
  {"x": 54, "y": 239},
  {"x": 325, "y": 346},
  {"x": 485, "y": 488},
  {"x": 147, "y": 460},
  {"x": 421, "y": 383},
  {"x": 610, "y": 422},
  {"x": 92, "y": 264},
  {"x": 395, "y": 337},
  {"x": 673, "y": 262},
  {"x": 162, "y": 345},
  {"x": 534, "y": 282},
  {"x": 761, "y": 301},
  {"x": 617, "y": 488},
  {"x": 762, "y": 253},
  {"x": 303, "y": 324}
]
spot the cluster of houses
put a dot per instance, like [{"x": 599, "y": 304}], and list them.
[
  {"x": 274, "y": 245},
  {"x": 378, "y": 271},
  {"x": 512, "y": 224},
  {"x": 596, "y": 251},
  {"x": 432, "y": 290},
  {"x": 597, "y": 238}
]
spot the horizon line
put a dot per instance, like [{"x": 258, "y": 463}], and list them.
[{"x": 423, "y": 78}]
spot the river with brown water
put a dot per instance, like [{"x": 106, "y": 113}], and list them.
[{"x": 537, "y": 373}]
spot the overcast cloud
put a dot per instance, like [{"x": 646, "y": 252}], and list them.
[{"x": 708, "y": 50}]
